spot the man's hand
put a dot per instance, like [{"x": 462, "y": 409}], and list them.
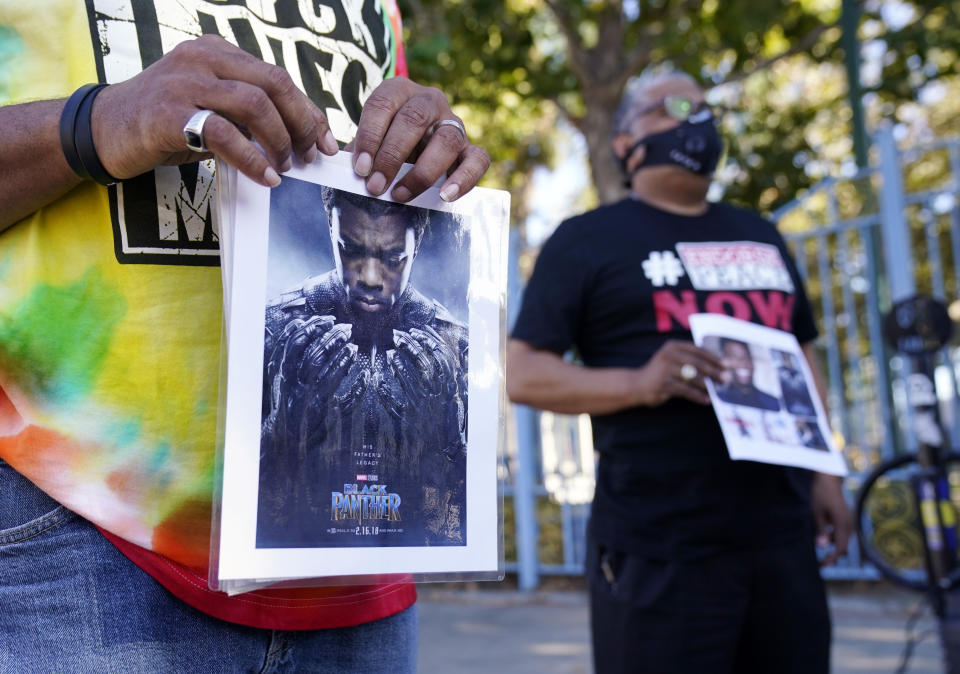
[
  {"x": 661, "y": 378},
  {"x": 833, "y": 518},
  {"x": 399, "y": 124},
  {"x": 138, "y": 124}
]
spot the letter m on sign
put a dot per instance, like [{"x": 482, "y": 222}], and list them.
[
  {"x": 163, "y": 216},
  {"x": 166, "y": 217}
]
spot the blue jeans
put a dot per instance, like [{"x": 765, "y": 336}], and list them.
[{"x": 71, "y": 602}]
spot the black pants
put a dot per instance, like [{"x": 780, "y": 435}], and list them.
[{"x": 736, "y": 613}]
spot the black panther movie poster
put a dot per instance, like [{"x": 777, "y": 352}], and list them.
[{"x": 363, "y": 432}]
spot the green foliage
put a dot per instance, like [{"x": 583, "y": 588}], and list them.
[
  {"x": 483, "y": 55},
  {"x": 549, "y": 531},
  {"x": 921, "y": 51},
  {"x": 514, "y": 68},
  {"x": 793, "y": 125}
]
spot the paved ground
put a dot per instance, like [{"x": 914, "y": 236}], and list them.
[{"x": 506, "y": 632}]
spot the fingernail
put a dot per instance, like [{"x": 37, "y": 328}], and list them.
[
  {"x": 363, "y": 164},
  {"x": 286, "y": 166},
  {"x": 310, "y": 155},
  {"x": 376, "y": 183},
  {"x": 330, "y": 144},
  {"x": 270, "y": 177},
  {"x": 450, "y": 192},
  {"x": 401, "y": 193}
]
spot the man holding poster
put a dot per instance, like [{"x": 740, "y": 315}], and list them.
[
  {"x": 695, "y": 562},
  {"x": 111, "y": 314}
]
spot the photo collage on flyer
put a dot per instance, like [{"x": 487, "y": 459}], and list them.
[{"x": 764, "y": 395}]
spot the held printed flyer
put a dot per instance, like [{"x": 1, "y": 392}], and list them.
[
  {"x": 767, "y": 404},
  {"x": 364, "y": 383}
]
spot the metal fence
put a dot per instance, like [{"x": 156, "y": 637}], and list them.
[{"x": 860, "y": 242}]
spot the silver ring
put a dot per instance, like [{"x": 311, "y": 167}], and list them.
[
  {"x": 193, "y": 131},
  {"x": 688, "y": 372},
  {"x": 455, "y": 123}
]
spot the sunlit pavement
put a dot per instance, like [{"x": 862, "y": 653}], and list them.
[
  {"x": 506, "y": 632},
  {"x": 503, "y": 632}
]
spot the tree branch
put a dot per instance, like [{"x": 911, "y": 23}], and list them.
[
  {"x": 666, "y": 8},
  {"x": 575, "y": 120},
  {"x": 576, "y": 49},
  {"x": 639, "y": 56},
  {"x": 802, "y": 45},
  {"x": 685, "y": 7}
]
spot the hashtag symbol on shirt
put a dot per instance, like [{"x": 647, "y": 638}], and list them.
[{"x": 663, "y": 268}]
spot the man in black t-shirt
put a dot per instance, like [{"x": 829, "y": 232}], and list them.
[{"x": 696, "y": 563}]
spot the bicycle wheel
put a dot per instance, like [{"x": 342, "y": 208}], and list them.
[{"x": 888, "y": 521}]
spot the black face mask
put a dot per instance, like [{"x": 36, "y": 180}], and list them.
[{"x": 694, "y": 145}]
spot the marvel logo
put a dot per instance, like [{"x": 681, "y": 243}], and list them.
[{"x": 366, "y": 478}]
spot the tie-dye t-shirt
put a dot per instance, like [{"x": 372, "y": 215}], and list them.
[{"x": 110, "y": 298}]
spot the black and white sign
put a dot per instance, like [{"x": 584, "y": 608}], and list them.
[{"x": 337, "y": 54}]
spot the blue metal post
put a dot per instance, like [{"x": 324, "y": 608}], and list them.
[
  {"x": 955, "y": 210},
  {"x": 528, "y": 442},
  {"x": 875, "y": 328},
  {"x": 897, "y": 248},
  {"x": 954, "y": 151},
  {"x": 836, "y": 404}
]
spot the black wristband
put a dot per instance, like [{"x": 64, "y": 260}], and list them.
[
  {"x": 68, "y": 122},
  {"x": 76, "y": 135},
  {"x": 83, "y": 139}
]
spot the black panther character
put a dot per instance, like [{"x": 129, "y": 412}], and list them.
[{"x": 364, "y": 383}]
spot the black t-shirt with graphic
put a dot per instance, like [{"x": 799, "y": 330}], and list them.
[{"x": 615, "y": 284}]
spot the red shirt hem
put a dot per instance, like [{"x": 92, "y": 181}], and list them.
[{"x": 306, "y": 608}]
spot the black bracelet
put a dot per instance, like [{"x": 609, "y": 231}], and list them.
[
  {"x": 68, "y": 121},
  {"x": 76, "y": 135}
]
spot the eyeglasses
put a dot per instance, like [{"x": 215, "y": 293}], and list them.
[{"x": 678, "y": 107}]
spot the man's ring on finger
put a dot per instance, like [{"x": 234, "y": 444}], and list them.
[
  {"x": 455, "y": 123},
  {"x": 193, "y": 131},
  {"x": 688, "y": 371}
]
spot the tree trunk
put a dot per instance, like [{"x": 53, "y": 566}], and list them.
[
  {"x": 602, "y": 71},
  {"x": 596, "y": 126}
]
